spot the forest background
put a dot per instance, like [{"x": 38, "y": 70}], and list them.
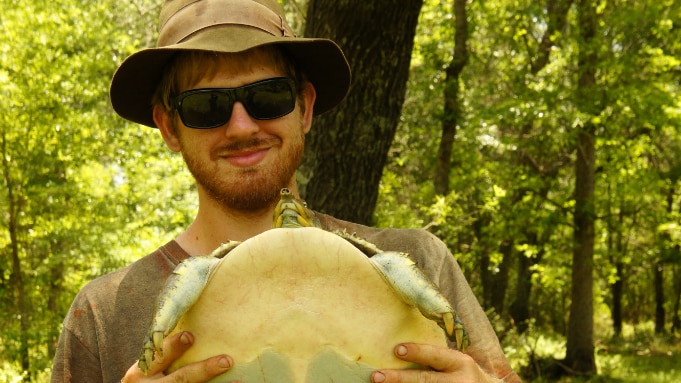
[{"x": 538, "y": 139}]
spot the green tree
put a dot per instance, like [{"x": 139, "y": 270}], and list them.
[
  {"x": 513, "y": 208},
  {"x": 346, "y": 150},
  {"x": 75, "y": 178},
  {"x": 580, "y": 355},
  {"x": 452, "y": 103}
]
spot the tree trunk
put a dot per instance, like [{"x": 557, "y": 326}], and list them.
[
  {"x": 580, "y": 347},
  {"x": 16, "y": 276},
  {"x": 659, "y": 298},
  {"x": 485, "y": 263},
  {"x": 17, "y": 281},
  {"x": 676, "y": 315},
  {"x": 617, "y": 251},
  {"x": 580, "y": 358},
  {"x": 452, "y": 108},
  {"x": 54, "y": 294},
  {"x": 520, "y": 308},
  {"x": 617, "y": 289},
  {"x": 347, "y": 147},
  {"x": 666, "y": 255},
  {"x": 500, "y": 281}
]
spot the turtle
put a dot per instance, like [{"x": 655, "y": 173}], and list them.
[{"x": 287, "y": 275}]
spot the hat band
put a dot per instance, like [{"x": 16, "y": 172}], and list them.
[{"x": 205, "y": 14}]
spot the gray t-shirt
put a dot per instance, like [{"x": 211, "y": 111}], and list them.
[{"x": 108, "y": 320}]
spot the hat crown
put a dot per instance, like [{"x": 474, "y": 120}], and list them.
[
  {"x": 170, "y": 7},
  {"x": 180, "y": 19},
  {"x": 225, "y": 26}
]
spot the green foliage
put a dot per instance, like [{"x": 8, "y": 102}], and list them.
[
  {"x": 512, "y": 180},
  {"x": 84, "y": 192},
  {"x": 76, "y": 179},
  {"x": 639, "y": 357}
]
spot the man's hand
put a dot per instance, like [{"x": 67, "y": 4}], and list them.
[
  {"x": 446, "y": 365},
  {"x": 173, "y": 348}
]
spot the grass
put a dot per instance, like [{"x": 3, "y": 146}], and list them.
[
  {"x": 656, "y": 362},
  {"x": 635, "y": 358}
]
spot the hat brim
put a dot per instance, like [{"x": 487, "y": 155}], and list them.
[{"x": 136, "y": 79}]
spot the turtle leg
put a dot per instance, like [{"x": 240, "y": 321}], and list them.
[
  {"x": 360, "y": 243},
  {"x": 415, "y": 289},
  {"x": 181, "y": 291},
  {"x": 224, "y": 249}
]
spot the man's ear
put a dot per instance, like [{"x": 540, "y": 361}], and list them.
[
  {"x": 164, "y": 123},
  {"x": 309, "y": 97}
]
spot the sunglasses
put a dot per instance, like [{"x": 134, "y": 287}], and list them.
[{"x": 212, "y": 107}]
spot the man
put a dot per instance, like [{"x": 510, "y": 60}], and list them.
[{"x": 232, "y": 90}]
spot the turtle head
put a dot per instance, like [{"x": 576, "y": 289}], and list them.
[{"x": 293, "y": 213}]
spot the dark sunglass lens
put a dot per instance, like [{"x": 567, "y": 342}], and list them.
[
  {"x": 270, "y": 100},
  {"x": 206, "y": 109},
  {"x": 210, "y": 108}
]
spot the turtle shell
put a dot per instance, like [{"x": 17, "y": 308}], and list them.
[{"x": 301, "y": 305}]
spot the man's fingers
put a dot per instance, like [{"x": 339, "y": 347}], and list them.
[
  {"x": 440, "y": 364},
  {"x": 173, "y": 347},
  {"x": 409, "y": 376},
  {"x": 437, "y": 358},
  {"x": 198, "y": 372},
  {"x": 202, "y": 371}
]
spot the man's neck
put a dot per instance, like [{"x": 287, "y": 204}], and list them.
[
  {"x": 216, "y": 224},
  {"x": 213, "y": 227}
]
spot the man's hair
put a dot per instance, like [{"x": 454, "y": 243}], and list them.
[{"x": 187, "y": 68}]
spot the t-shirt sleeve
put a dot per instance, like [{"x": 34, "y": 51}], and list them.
[
  {"x": 485, "y": 347},
  {"x": 76, "y": 359},
  {"x": 435, "y": 259}
]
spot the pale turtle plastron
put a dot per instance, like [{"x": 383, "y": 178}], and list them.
[{"x": 300, "y": 304}]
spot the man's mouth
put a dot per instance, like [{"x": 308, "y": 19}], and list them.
[
  {"x": 249, "y": 152},
  {"x": 246, "y": 158}
]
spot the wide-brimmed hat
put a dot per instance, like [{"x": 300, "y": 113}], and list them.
[{"x": 225, "y": 26}]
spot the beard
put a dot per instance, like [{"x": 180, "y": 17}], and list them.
[{"x": 248, "y": 189}]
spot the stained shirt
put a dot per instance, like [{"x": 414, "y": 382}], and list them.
[{"x": 108, "y": 320}]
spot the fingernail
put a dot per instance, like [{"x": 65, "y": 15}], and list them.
[
  {"x": 224, "y": 362},
  {"x": 378, "y": 377},
  {"x": 401, "y": 350},
  {"x": 184, "y": 338}
]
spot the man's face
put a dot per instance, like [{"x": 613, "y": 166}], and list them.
[{"x": 244, "y": 163}]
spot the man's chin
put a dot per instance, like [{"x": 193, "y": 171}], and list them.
[{"x": 250, "y": 199}]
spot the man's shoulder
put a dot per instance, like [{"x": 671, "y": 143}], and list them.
[
  {"x": 100, "y": 288},
  {"x": 110, "y": 314},
  {"x": 415, "y": 241},
  {"x": 146, "y": 273}
]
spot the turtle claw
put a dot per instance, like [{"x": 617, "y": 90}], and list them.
[
  {"x": 152, "y": 346},
  {"x": 448, "y": 323},
  {"x": 453, "y": 327},
  {"x": 461, "y": 336},
  {"x": 157, "y": 337},
  {"x": 146, "y": 357},
  {"x": 456, "y": 332}
]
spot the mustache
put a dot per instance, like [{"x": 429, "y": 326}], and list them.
[{"x": 251, "y": 143}]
